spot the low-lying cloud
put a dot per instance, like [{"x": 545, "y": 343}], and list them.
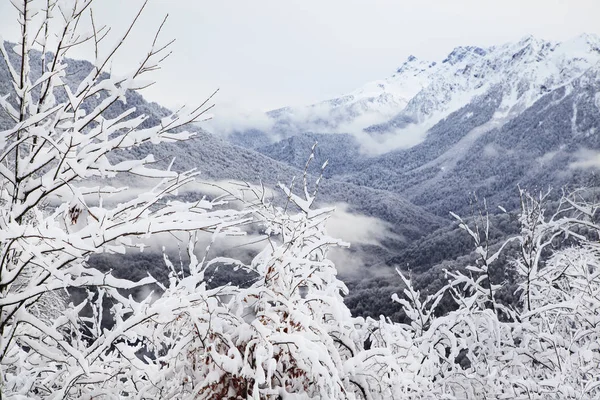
[
  {"x": 587, "y": 158},
  {"x": 354, "y": 228},
  {"x": 228, "y": 118},
  {"x": 347, "y": 115}
]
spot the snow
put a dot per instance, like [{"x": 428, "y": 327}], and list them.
[{"x": 425, "y": 92}]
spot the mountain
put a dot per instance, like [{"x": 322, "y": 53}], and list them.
[
  {"x": 398, "y": 111},
  {"x": 375, "y": 101},
  {"x": 522, "y": 72},
  {"x": 538, "y": 148},
  {"x": 482, "y": 120}
]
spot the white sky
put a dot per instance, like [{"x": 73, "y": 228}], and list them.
[{"x": 265, "y": 54}]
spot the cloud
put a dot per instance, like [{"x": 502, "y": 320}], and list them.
[
  {"x": 230, "y": 117},
  {"x": 354, "y": 228},
  {"x": 321, "y": 118},
  {"x": 357, "y": 228},
  {"x": 490, "y": 151},
  {"x": 586, "y": 159},
  {"x": 357, "y": 264},
  {"x": 547, "y": 157},
  {"x": 346, "y": 262},
  {"x": 360, "y": 231},
  {"x": 397, "y": 139}
]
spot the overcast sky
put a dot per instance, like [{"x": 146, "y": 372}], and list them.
[{"x": 265, "y": 54}]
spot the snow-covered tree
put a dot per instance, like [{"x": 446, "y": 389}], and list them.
[
  {"x": 544, "y": 347},
  {"x": 288, "y": 334},
  {"x": 64, "y": 144}
]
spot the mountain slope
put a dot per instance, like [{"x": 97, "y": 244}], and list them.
[
  {"x": 397, "y": 112},
  {"x": 341, "y": 150},
  {"x": 219, "y": 160},
  {"x": 537, "y": 149},
  {"x": 484, "y": 121}
]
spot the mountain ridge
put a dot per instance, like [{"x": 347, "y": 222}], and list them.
[
  {"x": 488, "y": 142},
  {"x": 396, "y": 112}
]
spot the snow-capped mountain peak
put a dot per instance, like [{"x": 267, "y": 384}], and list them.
[
  {"x": 420, "y": 93},
  {"x": 408, "y": 80},
  {"x": 463, "y": 53},
  {"x": 521, "y": 72},
  {"x": 414, "y": 66}
]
